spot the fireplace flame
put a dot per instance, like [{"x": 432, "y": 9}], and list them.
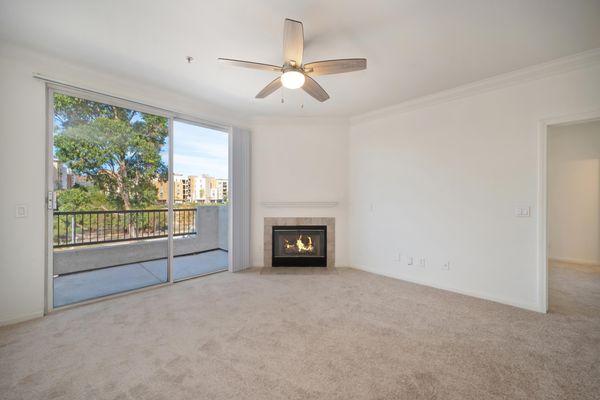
[
  {"x": 303, "y": 244},
  {"x": 304, "y": 247}
]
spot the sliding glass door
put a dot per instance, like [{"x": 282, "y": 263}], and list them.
[
  {"x": 200, "y": 200},
  {"x": 118, "y": 218},
  {"x": 108, "y": 199}
]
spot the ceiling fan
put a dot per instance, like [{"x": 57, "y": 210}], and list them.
[{"x": 294, "y": 74}]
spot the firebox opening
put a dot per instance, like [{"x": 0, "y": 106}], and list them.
[{"x": 299, "y": 246}]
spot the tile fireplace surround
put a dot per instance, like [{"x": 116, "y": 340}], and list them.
[{"x": 274, "y": 221}]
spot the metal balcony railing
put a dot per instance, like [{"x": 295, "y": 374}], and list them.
[{"x": 78, "y": 228}]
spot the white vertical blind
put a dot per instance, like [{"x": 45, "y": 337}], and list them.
[{"x": 239, "y": 175}]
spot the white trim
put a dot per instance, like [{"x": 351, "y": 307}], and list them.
[
  {"x": 292, "y": 204},
  {"x": 542, "y": 245},
  {"x": 529, "y": 307},
  {"x": 26, "y": 317},
  {"x": 542, "y": 200},
  {"x": 558, "y": 66},
  {"x": 591, "y": 263}
]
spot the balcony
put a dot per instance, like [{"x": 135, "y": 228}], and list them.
[{"x": 99, "y": 253}]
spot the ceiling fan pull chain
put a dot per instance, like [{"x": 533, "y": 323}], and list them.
[{"x": 282, "y": 100}]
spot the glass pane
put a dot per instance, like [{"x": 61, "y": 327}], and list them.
[
  {"x": 110, "y": 222},
  {"x": 298, "y": 242},
  {"x": 200, "y": 196}
]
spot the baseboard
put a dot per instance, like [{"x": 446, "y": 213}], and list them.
[
  {"x": 575, "y": 261},
  {"x": 529, "y": 307},
  {"x": 23, "y": 318}
]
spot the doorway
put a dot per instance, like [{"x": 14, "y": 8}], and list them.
[{"x": 573, "y": 212}]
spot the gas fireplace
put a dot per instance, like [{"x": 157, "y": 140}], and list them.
[{"x": 299, "y": 246}]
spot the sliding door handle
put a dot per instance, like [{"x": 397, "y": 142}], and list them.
[{"x": 51, "y": 199}]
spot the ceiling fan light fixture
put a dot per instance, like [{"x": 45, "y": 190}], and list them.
[{"x": 292, "y": 79}]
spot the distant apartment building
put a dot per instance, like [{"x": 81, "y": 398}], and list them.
[
  {"x": 64, "y": 178},
  {"x": 194, "y": 189},
  {"x": 180, "y": 188},
  {"x": 222, "y": 189},
  {"x": 193, "y": 184},
  {"x": 210, "y": 189},
  {"x": 162, "y": 191}
]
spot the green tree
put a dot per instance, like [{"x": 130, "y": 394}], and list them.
[
  {"x": 116, "y": 149},
  {"x": 81, "y": 198}
]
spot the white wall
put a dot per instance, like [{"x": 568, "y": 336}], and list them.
[
  {"x": 22, "y": 160},
  {"x": 574, "y": 192},
  {"x": 436, "y": 179},
  {"x": 444, "y": 178},
  {"x": 299, "y": 160}
]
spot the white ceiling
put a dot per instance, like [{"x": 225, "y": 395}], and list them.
[{"x": 413, "y": 47}]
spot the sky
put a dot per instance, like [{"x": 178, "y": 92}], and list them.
[{"x": 198, "y": 150}]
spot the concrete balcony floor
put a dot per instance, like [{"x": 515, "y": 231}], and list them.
[{"x": 81, "y": 286}]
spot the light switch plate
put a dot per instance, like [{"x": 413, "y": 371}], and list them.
[{"x": 21, "y": 211}]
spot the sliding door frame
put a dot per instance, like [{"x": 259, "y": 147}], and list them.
[{"x": 53, "y": 87}]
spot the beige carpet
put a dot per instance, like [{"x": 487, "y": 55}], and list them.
[{"x": 350, "y": 335}]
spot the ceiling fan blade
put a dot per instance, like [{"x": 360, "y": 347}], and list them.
[
  {"x": 270, "y": 88},
  {"x": 293, "y": 42},
  {"x": 314, "y": 89},
  {"x": 335, "y": 66},
  {"x": 250, "y": 64}
]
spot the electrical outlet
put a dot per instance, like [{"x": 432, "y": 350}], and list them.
[
  {"x": 446, "y": 265},
  {"x": 422, "y": 262},
  {"x": 522, "y": 211}
]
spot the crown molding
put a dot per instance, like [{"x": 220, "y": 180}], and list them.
[{"x": 535, "y": 72}]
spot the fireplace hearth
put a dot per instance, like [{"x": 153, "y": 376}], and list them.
[{"x": 299, "y": 246}]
